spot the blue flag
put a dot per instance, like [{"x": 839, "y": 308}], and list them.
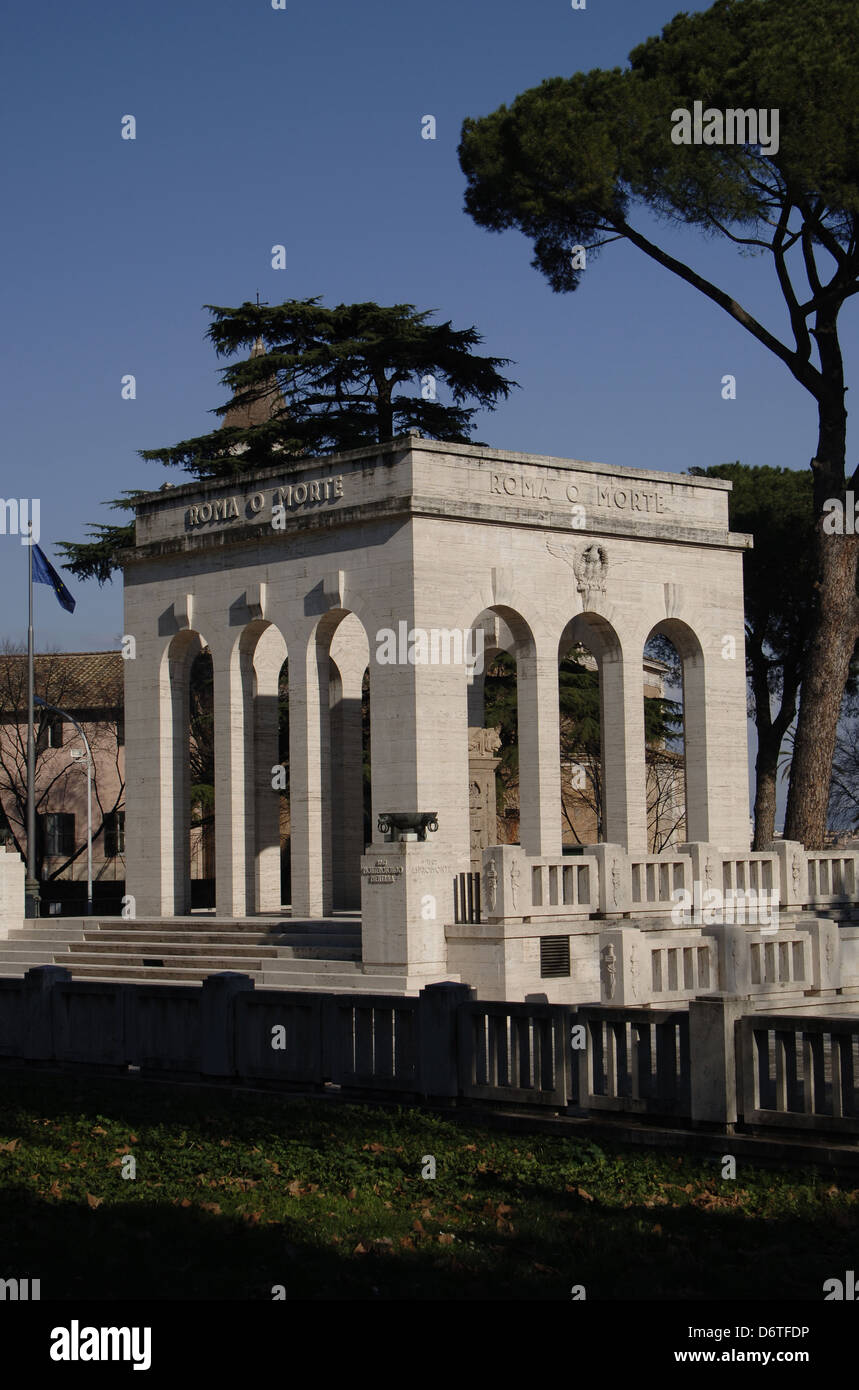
[{"x": 44, "y": 573}]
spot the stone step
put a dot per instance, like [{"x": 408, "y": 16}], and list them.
[
  {"x": 320, "y": 951},
  {"x": 172, "y": 974},
  {"x": 170, "y": 948},
  {"x": 263, "y": 923},
  {"x": 207, "y": 965},
  {"x": 52, "y": 933},
  {"x": 325, "y": 983},
  {"x": 301, "y": 964},
  {"x": 208, "y": 939},
  {"x": 40, "y": 954}
]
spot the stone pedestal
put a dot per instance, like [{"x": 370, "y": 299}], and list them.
[
  {"x": 482, "y": 745},
  {"x": 505, "y": 884},
  {"x": 12, "y": 876},
  {"x": 406, "y": 898},
  {"x": 615, "y": 885},
  {"x": 793, "y": 875}
]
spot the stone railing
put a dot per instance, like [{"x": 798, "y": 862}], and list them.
[
  {"x": 833, "y": 876},
  {"x": 714, "y": 1062},
  {"x": 799, "y": 1072},
  {"x": 655, "y": 879},
  {"x": 604, "y": 879},
  {"x": 660, "y": 968}
]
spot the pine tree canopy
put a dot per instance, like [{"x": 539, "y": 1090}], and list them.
[{"x": 318, "y": 381}]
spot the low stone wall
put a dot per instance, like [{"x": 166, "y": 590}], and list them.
[{"x": 713, "y": 1062}]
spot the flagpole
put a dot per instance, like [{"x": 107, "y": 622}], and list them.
[{"x": 32, "y": 888}]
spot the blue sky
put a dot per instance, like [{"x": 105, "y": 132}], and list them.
[{"x": 301, "y": 126}]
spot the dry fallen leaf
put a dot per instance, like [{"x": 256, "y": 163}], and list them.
[
  {"x": 416, "y": 1226},
  {"x": 10, "y": 1147},
  {"x": 55, "y": 1189},
  {"x": 211, "y": 1206},
  {"x": 94, "y": 1201},
  {"x": 360, "y": 1249},
  {"x": 294, "y": 1187},
  {"x": 97, "y": 1129},
  {"x": 445, "y": 1239}
]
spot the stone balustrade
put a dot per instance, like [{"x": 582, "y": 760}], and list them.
[{"x": 606, "y": 879}]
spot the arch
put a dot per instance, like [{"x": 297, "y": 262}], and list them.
[
  {"x": 695, "y": 734},
  {"x": 622, "y": 770},
  {"x": 325, "y": 711},
  {"x": 174, "y": 696},
  {"x": 506, "y": 630}
]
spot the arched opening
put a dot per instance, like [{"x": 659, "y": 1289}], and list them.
[
  {"x": 350, "y": 761},
  {"x": 200, "y": 749},
  {"x": 671, "y": 651},
  {"x": 590, "y": 693},
  {"x": 500, "y": 758},
  {"x": 581, "y": 744},
  {"x": 188, "y": 773}
]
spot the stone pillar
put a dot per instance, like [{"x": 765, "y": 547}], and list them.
[
  {"x": 234, "y": 780},
  {"x": 12, "y": 875},
  {"x": 624, "y": 774},
  {"x": 505, "y": 884},
  {"x": 158, "y": 810},
  {"x": 615, "y": 878},
  {"x": 482, "y": 744},
  {"x": 419, "y": 745},
  {"x": 717, "y": 774},
  {"x": 713, "y": 1059},
  {"x": 309, "y": 777},
  {"x": 825, "y": 953},
  {"x": 539, "y": 753},
  {"x": 706, "y": 872},
  {"x": 438, "y": 1037},
  {"x": 406, "y": 899},
  {"x": 792, "y": 872},
  {"x": 624, "y": 968},
  {"x": 218, "y": 1021},
  {"x": 734, "y": 958}
]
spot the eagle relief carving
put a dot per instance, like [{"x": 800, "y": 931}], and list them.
[{"x": 589, "y": 565}]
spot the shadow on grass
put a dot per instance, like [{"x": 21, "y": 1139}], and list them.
[{"x": 547, "y": 1240}]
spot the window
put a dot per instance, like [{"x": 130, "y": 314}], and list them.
[
  {"x": 114, "y": 834},
  {"x": 58, "y": 834},
  {"x": 51, "y": 730}
]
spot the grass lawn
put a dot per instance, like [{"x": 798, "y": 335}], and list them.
[{"x": 235, "y": 1194}]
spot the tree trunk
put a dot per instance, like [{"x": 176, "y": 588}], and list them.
[
  {"x": 766, "y": 778},
  {"x": 834, "y": 635}
]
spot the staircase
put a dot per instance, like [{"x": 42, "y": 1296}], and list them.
[{"x": 275, "y": 951}]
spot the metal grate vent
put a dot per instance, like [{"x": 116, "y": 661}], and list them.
[{"x": 554, "y": 956}]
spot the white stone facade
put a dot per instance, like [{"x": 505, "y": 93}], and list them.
[{"x": 319, "y": 561}]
